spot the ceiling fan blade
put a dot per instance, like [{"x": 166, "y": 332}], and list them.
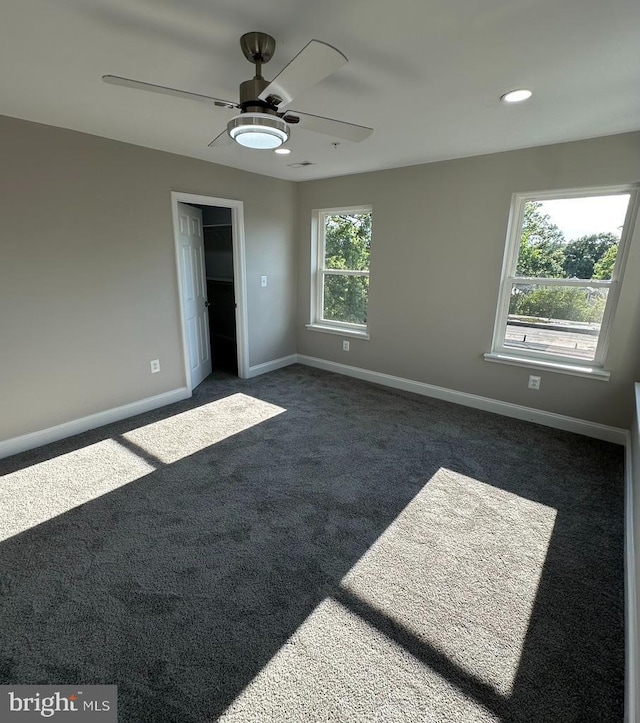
[
  {"x": 140, "y": 85},
  {"x": 312, "y": 64},
  {"x": 332, "y": 127},
  {"x": 222, "y": 139}
]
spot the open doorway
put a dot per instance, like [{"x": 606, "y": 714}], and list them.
[
  {"x": 209, "y": 237},
  {"x": 218, "y": 258}
]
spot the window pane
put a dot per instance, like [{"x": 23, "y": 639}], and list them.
[
  {"x": 347, "y": 241},
  {"x": 561, "y": 320},
  {"x": 571, "y": 237},
  {"x": 345, "y": 298}
]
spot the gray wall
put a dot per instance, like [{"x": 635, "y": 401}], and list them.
[
  {"x": 438, "y": 239},
  {"x": 88, "y": 287},
  {"x": 88, "y": 281}
]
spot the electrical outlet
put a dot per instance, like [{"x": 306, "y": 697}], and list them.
[
  {"x": 345, "y": 345},
  {"x": 155, "y": 366},
  {"x": 263, "y": 281},
  {"x": 534, "y": 382}
]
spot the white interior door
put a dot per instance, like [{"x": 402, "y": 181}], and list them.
[{"x": 194, "y": 292}]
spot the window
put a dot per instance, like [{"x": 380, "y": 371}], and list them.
[
  {"x": 341, "y": 241},
  {"x": 561, "y": 278}
]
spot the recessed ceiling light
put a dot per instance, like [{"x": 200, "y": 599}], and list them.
[
  {"x": 283, "y": 151},
  {"x": 516, "y": 96}
]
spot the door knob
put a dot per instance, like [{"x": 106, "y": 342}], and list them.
[{"x": 206, "y": 304}]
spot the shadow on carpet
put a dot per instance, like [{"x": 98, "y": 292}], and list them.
[{"x": 307, "y": 547}]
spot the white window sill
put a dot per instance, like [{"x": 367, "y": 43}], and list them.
[
  {"x": 341, "y": 331},
  {"x": 552, "y": 366}
]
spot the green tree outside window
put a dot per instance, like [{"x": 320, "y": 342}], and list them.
[{"x": 347, "y": 247}]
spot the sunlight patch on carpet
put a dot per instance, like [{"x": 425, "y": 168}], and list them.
[
  {"x": 428, "y": 625},
  {"x": 43, "y": 491},
  {"x": 459, "y": 569},
  {"x": 336, "y": 667},
  {"x": 40, "y": 492},
  {"x": 174, "y": 438}
]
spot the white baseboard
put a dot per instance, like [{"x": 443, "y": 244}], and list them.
[
  {"x": 76, "y": 426},
  {"x": 271, "y": 366},
  {"x": 548, "y": 419}
]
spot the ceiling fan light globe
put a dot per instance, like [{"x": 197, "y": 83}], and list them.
[
  {"x": 260, "y": 131},
  {"x": 257, "y": 138}
]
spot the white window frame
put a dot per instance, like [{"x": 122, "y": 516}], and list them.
[
  {"x": 544, "y": 360},
  {"x": 318, "y": 273}
]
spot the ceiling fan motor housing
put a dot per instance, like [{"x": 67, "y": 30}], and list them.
[
  {"x": 249, "y": 100},
  {"x": 258, "y": 48}
]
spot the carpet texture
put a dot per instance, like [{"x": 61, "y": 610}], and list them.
[{"x": 307, "y": 547}]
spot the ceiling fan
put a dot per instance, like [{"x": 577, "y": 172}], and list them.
[{"x": 263, "y": 122}]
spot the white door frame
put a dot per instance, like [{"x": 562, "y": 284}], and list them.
[{"x": 239, "y": 275}]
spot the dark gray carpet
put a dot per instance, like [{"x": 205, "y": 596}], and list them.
[{"x": 363, "y": 555}]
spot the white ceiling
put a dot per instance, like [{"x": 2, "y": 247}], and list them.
[{"x": 425, "y": 74}]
